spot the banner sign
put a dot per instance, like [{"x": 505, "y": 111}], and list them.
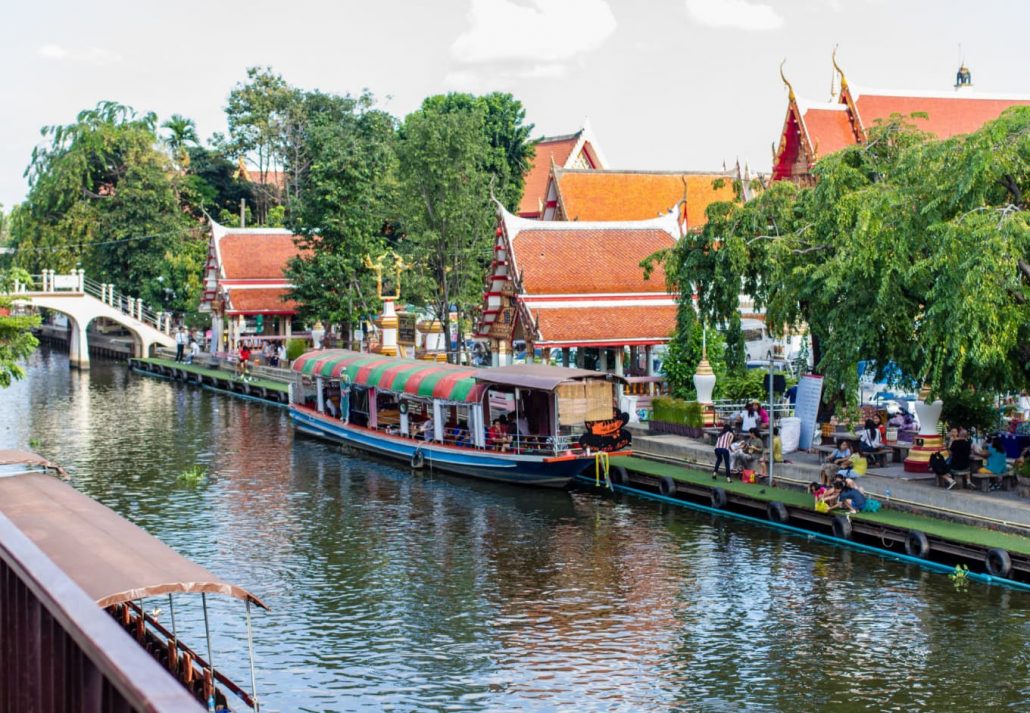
[{"x": 810, "y": 393}]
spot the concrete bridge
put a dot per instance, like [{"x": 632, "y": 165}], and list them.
[{"x": 81, "y": 300}]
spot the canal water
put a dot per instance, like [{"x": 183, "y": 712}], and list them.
[{"x": 394, "y": 591}]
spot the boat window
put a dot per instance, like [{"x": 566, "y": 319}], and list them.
[{"x": 584, "y": 401}]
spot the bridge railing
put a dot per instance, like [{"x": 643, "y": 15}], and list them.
[
  {"x": 60, "y": 651},
  {"x": 76, "y": 281}
]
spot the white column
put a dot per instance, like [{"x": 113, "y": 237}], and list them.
[
  {"x": 649, "y": 358},
  {"x": 82, "y": 279},
  {"x": 78, "y": 346},
  {"x": 404, "y": 422},
  {"x": 602, "y": 360},
  {"x": 619, "y": 353},
  {"x": 438, "y": 421},
  {"x": 319, "y": 395}
]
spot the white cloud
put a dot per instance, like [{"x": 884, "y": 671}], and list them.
[
  {"x": 536, "y": 30},
  {"x": 738, "y": 14},
  {"x": 484, "y": 79},
  {"x": 89, "y": 55}
]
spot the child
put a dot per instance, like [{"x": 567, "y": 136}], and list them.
[{"x": 777, "y": 446}]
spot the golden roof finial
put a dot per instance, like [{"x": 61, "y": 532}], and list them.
[
  {"x": 843, "y": 80},
  {"x": 790, "y": 89}
]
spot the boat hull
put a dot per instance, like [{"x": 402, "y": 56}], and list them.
[{"x": 537, "y": 471}]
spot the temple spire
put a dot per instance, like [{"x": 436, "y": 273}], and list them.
[
  {"x": 843, "y": 79},
  {"x": 790, "y": 89}
]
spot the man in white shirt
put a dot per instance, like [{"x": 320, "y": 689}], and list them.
[
  {"x": 180, "y": 343},
  {"x": 1024, "y": 405}
]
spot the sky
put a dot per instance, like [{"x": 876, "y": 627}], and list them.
[{"x": 666, "y": 84}]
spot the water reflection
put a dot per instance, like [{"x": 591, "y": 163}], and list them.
[{"x": 397, "y": 591}]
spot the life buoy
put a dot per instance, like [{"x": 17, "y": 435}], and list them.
[
  {"x": 418, "y": 459},
  {"x": 619, "y": 475},
  {"x": 998, "y": 562},
  {"x": 841, "y": 527},
  {"x": 718, "y": 498},
  {"x": 667, "y": 486},
  {"x": 777, "y": 512},
  {"x": 916, "y": 544}
]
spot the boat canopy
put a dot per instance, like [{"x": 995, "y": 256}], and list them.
[
  {"x": 540, "y": 376},
  {"x": 425, "y": 379},
  {"x": 110, "y": 558}
]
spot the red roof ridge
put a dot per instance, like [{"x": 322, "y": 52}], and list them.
[
  {"x": 647, "y": 172},
  {"x": 555, "y": 139},
  {"x": 963, "y": 94},
  {"x": 668, "y": 223}
]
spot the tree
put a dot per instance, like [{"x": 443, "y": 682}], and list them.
[
  {"x": 260, "y": 113},
  {"x": 103, "y": 197},
  {"x": 908, "y": 251},
  {"x": 736, "y": 353},
  {"x": 16, "y": 340},
  {"x": 686, "y": 349},
  {"x": 182, "y": 133},
  {"x": 342, "y": 215},
  {"x": 445, "y": 204}
]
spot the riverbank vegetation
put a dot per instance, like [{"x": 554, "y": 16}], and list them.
[
  {"x": 127, "y": 197},
  {"x": 910, "y": 251}
]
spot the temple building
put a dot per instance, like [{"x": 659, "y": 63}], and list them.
[
  {"x": 812, "y": 130},
  {"x": 561, "y": 285},
  {"x": 636, "y": 195},
  {"x": 245, "y": 285},
  {"x": 579, "y": 150}
]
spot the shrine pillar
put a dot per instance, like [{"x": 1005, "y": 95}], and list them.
[{"x": 602, "y": 359}]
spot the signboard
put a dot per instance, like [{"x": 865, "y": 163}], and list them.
[
  {"x": 66, "y": 282},
  {"x": 810, "y": 393},
  {"x": 406, "y": 328}
]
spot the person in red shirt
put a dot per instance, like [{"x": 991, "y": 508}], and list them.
[
  {"x": 497, "y": 436},
  {"x": 244, "y": 360}
]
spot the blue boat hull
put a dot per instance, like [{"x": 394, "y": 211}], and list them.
[{"x": 487, "y": 465}]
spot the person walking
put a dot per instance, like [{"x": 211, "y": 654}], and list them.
[
  {"x": 722, "y": 450},
  {"x": 180, "y": 343}
]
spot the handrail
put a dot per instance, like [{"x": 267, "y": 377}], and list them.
[{"x": 108, "y": 653}]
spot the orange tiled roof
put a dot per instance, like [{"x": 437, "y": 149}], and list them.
[
  {"x": 639, "y": 195},
  {"x": 252, "y": 301},
  {"x": 829, "y": 130},
  {"x": 588, "y": 261},
  {"x": 946, "y": 116},
  {"x": 535, "y": 189},
  {"x": 613, "y": 325},
  {"x": 256, "y": 256}
]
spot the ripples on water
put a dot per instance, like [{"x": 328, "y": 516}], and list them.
[{"x": 392, "y": 591}]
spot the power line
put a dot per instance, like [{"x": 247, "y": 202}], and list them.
[{"x": 98, "y": 243}]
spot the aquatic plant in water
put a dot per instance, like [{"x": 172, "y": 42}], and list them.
[
  {"x": 194, "y": 475},
  {"x": 960, "y": 577}
]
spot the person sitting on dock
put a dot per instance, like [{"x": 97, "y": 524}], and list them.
[
  {"x": 763, "y": 415},
  {"x": 869, "y": 439},
  {"x": 957, "y": 456},
  {"x": 835, "y": 461},
  {"x": 994, "y": 461},
  {"x": 748, "y": 419},
  {"x": 854, "y": 467},
  {"x": 750, "y": 451},
  {"x": 722, "y": 450},
  {"x": 851, "y": 497}
]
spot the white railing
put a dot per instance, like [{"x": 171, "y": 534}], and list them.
[{"x": 50, "y": 282}]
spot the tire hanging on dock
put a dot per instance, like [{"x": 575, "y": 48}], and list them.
[
  {"x": 667, "y": 486},
  {"x": 916, "y": 544},
  {"x": 718, "y": 498},
  {"x": 841, "y": 527},
  {"x": 998, "y": 562},
  {"x": 620, "y": 476},
  {"x": 777, "y": 512}
]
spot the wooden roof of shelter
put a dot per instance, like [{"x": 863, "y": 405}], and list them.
[
  {"x": 639, "y": 195},
  {"x": 558, "y": 283},
  {"x": 246, "y": 270},
  {"x": 110, "y": 558},
  {"x": 578, "y": 150}
]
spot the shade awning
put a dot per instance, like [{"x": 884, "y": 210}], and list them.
[
  {"x": 425, "y": 379},
  {"x": 110, "y": 558},
  {"x": 539, "y": 376}
]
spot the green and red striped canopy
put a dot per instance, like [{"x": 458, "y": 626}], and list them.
[{"x": 427, "y": 379}]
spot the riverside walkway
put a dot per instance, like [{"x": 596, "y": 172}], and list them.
[
  {"x": 916, "y": 492},
  {"x": 264, "y": 383}
]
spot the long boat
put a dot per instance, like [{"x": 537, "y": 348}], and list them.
[{"x": 529, "y": 424}]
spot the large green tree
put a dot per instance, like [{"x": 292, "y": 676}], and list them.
[
  {"x": 343, "y": 215},
  {"x": 104, "y": 197},
  {"x": 907, "y": 251}
]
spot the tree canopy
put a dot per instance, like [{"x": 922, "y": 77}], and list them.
[{"x": 911, "y": 252}]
